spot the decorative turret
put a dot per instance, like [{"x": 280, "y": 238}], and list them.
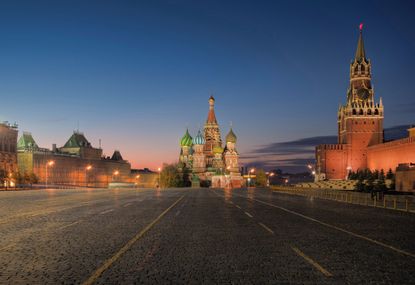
[
  {"x": 230, "y": 154},
  {"x": 212, "y": 132},
  {"x": 199, "y": 158},
  {"x": 186, "y": 150}
]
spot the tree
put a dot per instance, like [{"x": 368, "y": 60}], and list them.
[
  {"x": 369, "y": 185},
  {"x": 170, "y": 176},
  {"x": 390, "y": 174},
  {"x": 359, "y": 186},
  {"x": 261, "y": 178}
]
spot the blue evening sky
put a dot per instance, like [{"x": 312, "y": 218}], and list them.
[{"x": 136, "y": 73}]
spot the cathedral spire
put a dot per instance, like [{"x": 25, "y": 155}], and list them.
[
  {"x": 360, "y": 51},
  {"x": 211, "y": 115}
]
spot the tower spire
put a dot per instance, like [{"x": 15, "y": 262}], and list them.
[
  {"x": 211, "y": 115},
  {"x": 360, "y": 51}
]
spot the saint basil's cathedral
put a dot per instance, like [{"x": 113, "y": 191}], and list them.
[{"x": 206, "y": 160}]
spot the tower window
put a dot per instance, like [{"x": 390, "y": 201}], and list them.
[
  {"x": 376, "y": 112},
  {"x": 369, "y": 112},
  {"x": 361, "y": 112},
  {"x": 354, "y": 112}
]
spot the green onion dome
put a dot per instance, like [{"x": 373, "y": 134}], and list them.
[
  {"x": 199, "y": 139},
  {"x": 231, "y": 137},
  {"x": 186, "y": 139},
  {"x": 217, "y": 150}
]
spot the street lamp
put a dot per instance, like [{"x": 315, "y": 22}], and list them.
[
  {"x": 268, "y": 176},
  {"x": 50, "y": 163},
  {"x": 87, "y": 168},
  {"x": 252, "y": 170},
  {"x": 116, "y": 172},
  {"x": 159, "y": 171}
]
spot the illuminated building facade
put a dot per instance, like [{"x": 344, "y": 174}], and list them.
[
  {"x": 77, "y": 163},
  {"x": 8, "y": 157},
  {"x": 206, "y": 159},
  {"x": 360, "y": 130}
]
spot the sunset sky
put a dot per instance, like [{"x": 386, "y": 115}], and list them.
[{"x": 135, "y": 74}]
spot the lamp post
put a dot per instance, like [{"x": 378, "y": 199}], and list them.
[
  {"x": 268, "y": 176},
  {"x": 159, "y": 171},
  {"x": 50, "y": 163},
  {"x": 252, "y": 170},
  {"x": 137, "y": 177},
  {"x": 115, "y": 173},
  {"x": 87, "y": 168}
]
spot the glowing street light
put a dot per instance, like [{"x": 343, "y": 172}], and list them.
[
  {"x": 87, "y": 168},
  {"x": 50, "y": 163},
  {"x": 159, "y": 171},
  {"x": 115, "y": 173}
]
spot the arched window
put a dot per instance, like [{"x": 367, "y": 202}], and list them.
[
  {"x": 362, "y": 68},
  {"x": 361, "y": 112},
  {"x": 369, "y": 112},
  {"x": 354, "y": 112},
  {"x": 376, "y": 112}
]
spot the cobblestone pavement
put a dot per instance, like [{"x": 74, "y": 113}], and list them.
[{"x": 196, "y": 236}]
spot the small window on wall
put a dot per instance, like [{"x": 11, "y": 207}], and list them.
[
  {"x": 361, "y": 112},
  {"x": 354, "y": 112}
]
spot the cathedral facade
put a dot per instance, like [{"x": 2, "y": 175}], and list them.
[
  {"x": 206, "y": 160},
  {"x": 360, "y": 130}
]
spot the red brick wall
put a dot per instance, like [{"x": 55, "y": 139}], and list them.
[
  {"x": 390, "y": 154},
  {"x": 332, "y": 160}
]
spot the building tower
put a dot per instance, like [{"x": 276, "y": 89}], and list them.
[
  {"x": 230, "y": 154},
  {"x": 212, "y": 133},
  {"x": 360, "y": 121},
  {"x": 199, "y": 158},
  {"x": 186, "y": 150}
]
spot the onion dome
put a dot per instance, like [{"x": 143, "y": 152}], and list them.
[
  {"x": 186, "y": 139},
  {"x": 217, "y": 150},
  {"x": 199, "y": 139},
  {"x": 231, "y": 137}
]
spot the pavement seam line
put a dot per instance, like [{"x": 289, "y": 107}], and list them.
[
  {"x": 69, "y": 225},
  {"x": 249, "y": 215},
  {"x": 312, "y": 262},
  {"x": 106, "y": 211},
  {"x": 97, "y": 273},
  {"x": 336, "y": 228},
  {"x": 266, "y": 228}
]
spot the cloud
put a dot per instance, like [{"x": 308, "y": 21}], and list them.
[{"x": 295, "y": 155}]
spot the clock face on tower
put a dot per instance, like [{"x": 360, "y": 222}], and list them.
[{"x": 363, "y": 94}]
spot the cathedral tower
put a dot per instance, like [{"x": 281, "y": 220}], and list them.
[
  {"x": 360, "y": 121},
  {"x": 212, "y": 132},
  {"x": 230, "y": 154},
  {"x": 199, "y": 158},
  {"x": 186, "y": 150}
]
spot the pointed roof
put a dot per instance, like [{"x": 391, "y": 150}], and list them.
[
  {"x": 26, "y": 141},
  {"x": 231, "y": 137},
  {"x": 211, "y": 119},
  {"x": 117, "y": 156},
  {"x": 77, "y": 140},
  {"x": 360, "y": 51}
]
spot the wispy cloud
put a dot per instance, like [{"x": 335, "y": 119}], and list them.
[{"x": 295, "y": 155}]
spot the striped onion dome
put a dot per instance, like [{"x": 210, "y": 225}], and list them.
[
  {"x": 186, "y": 139},
  {"x": 199, "y": 139}
]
